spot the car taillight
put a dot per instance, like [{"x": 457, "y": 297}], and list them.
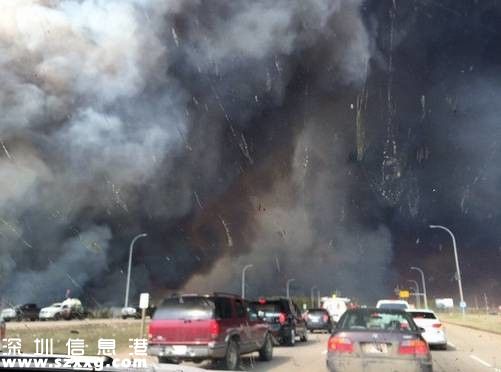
[
  {"x": 281, "y": 318},
  {"x": 325, "y": 318},
  {"x": 214, "y": 329},
  {"x": 413, "y": 347},
  {"x": 340, "y": 345},
  {"x": 150, "y": 336},
  {"x": 437, "y": 325}
]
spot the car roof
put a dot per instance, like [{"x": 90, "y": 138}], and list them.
[
  {"x": 376, "y": 310},
  {"x": 420, "y": 311}
]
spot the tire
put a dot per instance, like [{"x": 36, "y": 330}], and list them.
[
  {"x": 304, "y": 337},
  {"x": 162, "y": 359},
  {"x": 231, "y": 360},
  {"x": 57, "y": 316},
  {"x": 291, "y": 338},
  {"x": 266, "y": 351}
]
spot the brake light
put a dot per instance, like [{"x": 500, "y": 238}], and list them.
[
  {"x": 214, "y": 329},
  {"x": 340, "y": 345},
  {"x": 414, "y": 347},
  {"x": 281, "y": 318},
  {"x": 325, "y": 318},
  {"x": 437, "y": 325},
  {"x": 262, "y": 300}
]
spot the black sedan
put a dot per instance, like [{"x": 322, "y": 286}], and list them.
[
  {"x": 318, "y": 320},
  {"x": 373, "y": 339}
]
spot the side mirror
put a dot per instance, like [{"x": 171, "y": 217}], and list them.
[{"x": 421, "y": 330}]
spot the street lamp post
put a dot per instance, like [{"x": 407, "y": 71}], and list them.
[
  {"x": 287, "y": 287},
  {"x": 457, "y": 263},
  {"x": 127, "y": 285},
  {"x": 424, "y": 285},
  {"x": 243, "y": 278},
  {"x": 312, "y": 295},
  {"x": 416, "y": 292}
]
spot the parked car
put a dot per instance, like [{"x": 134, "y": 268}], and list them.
[
  {"x": 377, "y": 339},
  {"x": 21, "y": 312},
  {"x": 318, "y": 320},
  {"x": 219, "y": 327},
  {"x": 393, "y": 304},
  {"x": 8, "y": 314},
  {"x": 285, "y": 319},
  {"x": 130, "y": 312},
  {"x": 434, "y": 333},
  {"x": 2, "y": 332},
  {"x": 72, "y": 308},
  {"x": 135, "y": 312},
  {"x": 51, "y": 312}
]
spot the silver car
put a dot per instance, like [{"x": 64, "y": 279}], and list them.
[{"x": 373, "y": 339}]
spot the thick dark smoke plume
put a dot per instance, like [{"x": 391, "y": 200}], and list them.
[{"x": 315, "y": 139}]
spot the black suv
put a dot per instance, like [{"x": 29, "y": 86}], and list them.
[
  {"x": 284, "y": 317},
  {"x": 27, "y": 312}
]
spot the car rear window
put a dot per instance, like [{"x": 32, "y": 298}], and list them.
[
  {"x": 376, "y": 320},
  {"x": 392, "y": 305},
  {"x": 317, "y": 312},
  {"x": 422, "y": 315},
  {"x": 269, "y": 308},
  {"x": 199, "y": 308}
]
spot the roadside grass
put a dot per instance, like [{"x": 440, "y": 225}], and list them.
[
  {"x": 89, "y": 332},
  {"x": 485, "y": 322}
]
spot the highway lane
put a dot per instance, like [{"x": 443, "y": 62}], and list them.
[{"x": 469, "y": 350}]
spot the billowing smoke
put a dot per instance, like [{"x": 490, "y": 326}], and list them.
[{"x": 300, "y": 136}]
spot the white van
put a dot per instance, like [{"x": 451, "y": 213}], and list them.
[{"x": 336, "y": 306}]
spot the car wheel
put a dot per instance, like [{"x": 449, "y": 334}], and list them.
[
  {"x": 266, "y": 351},
  {"x": 231, "y": 360},
  {"x": 57, "y": 316},
  {"x": 304, "y": 337},
  {"x": 162, "y": 359},
  {"x": 291, "y": 338}
]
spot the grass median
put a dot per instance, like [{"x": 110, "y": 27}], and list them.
[
  {"x": 90, "y": 332},
  {"x": 485, "y": 322}
]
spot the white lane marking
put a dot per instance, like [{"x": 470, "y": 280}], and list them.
[
  {"x": 482, "y": 362},
  {"x": 451, "y": 344}
]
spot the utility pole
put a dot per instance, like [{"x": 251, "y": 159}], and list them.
[{"x": 246, "y": 267}]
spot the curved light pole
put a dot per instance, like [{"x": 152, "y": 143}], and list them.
[
  {"x": 246, "y": 267},
  {"x": 287, "y": 287},
  {"x": 416, "y": 292},
  {"x": 458, "y": 271},
  {"x": 130, "y": 264},
  {"x": 312, "y": 296},
  {"x": 424, "y": 285}
]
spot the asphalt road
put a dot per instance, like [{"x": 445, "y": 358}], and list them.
[{"x": 468, "y": 351}]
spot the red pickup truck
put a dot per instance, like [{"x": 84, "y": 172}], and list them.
[{"x": 220, "y": 327}]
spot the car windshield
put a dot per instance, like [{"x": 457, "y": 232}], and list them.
[
  {"x": 422, "y": 315},
  {"x": 171, "y": 160},
  {"x": 199, "y": 308},
  {"x": 393, "y": 305},
  {"x": 376, "y": 320}
]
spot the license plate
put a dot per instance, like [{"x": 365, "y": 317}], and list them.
[
  {"x": 179, "y": 349},
  {"x": 315, "y": 319},
  {"x": 375, "y": 348}
]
